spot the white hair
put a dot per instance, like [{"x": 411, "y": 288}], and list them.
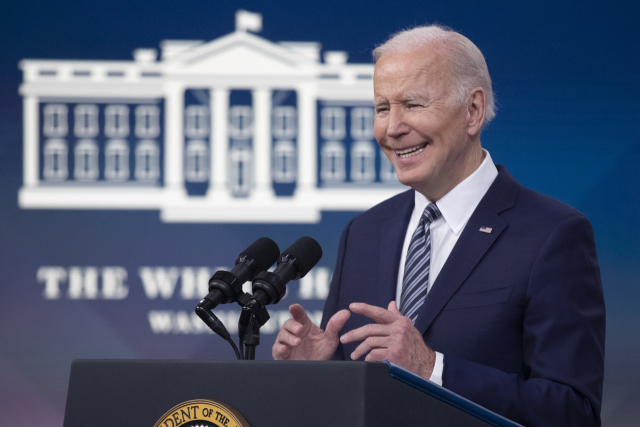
[{"x": 467, "y": 62}]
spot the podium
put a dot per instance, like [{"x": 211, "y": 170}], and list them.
[{"x": 110, "y": 393}]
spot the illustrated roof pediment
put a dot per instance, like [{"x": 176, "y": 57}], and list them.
[{"x": 239, "y": 53}]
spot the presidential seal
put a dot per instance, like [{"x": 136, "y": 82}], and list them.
[{"x": 202, "y": 413}]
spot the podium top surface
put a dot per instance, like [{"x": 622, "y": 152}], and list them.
[{"x": 266, "y": 393}]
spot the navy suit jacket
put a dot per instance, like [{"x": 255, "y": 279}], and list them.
[{"x": 518, "y": 313}]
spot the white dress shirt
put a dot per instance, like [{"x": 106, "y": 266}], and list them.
[{"x": 456, "y": 206}]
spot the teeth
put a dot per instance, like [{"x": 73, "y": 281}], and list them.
[{"x": 403, "y": 154}]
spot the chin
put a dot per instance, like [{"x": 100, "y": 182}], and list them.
[{"x": 409, "y": 181}]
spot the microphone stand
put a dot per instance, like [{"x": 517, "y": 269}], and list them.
[{"x": 252, "y": 318}]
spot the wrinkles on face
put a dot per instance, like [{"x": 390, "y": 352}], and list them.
[{"x": 417, "y": 122}]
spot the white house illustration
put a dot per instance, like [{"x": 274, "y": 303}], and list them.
[{"x": 238, "y": 129}]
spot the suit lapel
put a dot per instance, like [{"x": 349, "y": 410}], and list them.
[
  {"x": 471, "y": 246},
  {"x": 391, "y": 239}
]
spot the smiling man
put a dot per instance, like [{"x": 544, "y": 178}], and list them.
[{"x": 469, "y": 279}]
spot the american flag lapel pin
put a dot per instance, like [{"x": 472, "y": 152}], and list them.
[{"x": 486, "y": 229}]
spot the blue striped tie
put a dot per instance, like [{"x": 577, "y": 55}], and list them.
[{"x": 416, "y": 268}]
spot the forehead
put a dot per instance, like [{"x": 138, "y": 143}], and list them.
[{"x": 424, "y": 69}]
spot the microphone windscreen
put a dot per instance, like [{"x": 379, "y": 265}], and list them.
[
  {"x": 307, "y": 252},
  {"x": 264, "y": 252}
]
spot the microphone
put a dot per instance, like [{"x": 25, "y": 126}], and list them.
[
  {"x": 226, "y": 286},
  {"x": 294, "y": 263}
]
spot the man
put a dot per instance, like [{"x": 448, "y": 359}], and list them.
[{"x": 491, "y": 290}]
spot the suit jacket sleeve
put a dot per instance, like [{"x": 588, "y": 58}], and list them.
[
  {"x": 563, "y": 333},
  {"x": 331, "y": 304}
]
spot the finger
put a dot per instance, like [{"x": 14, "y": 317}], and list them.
[
  {"x": 366, "y": 331},
  {"x": 377, "y": 355},
  {"x": 298, "y": 313},
  {"x": 292, "y": 326},
  {"x": 335, "y": 324},
  {"x": 377, "y": 314},
  {"x": 368, "y": 345},
  {"x": 287, "y": 338},
  {"x": 281, "y": 351},
  {"x": 300, "y": 316},
  {"x": 393, "y": 308}
]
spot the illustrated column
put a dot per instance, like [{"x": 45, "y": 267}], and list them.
[
  {"x": 31, "y": 126},
  {"x": 174, "y": 138},
  {"x": 307, "y": 142},
  {"x": 262, "y": 144},
  {"x": 219, "y": 143}
]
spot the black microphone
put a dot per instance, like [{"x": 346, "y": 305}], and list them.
[
  {"x": 226, "y": 286},
  {"x": 294, "y": 263}
]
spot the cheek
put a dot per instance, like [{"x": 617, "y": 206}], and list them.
[
  {"x": 379, "y": 129},
  {"x": 387, "y": 152}
]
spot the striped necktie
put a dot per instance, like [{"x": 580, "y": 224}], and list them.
[{"x": 416, "y": 268}]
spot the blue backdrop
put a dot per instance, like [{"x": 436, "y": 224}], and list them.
[{"x": 566, "y": 77}]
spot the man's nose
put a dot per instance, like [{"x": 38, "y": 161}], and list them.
[{"x": 397, "y": 125}]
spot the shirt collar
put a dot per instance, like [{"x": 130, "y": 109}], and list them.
[{"x": 458, "y": 205}]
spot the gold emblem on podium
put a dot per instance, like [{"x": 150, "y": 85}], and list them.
[{"x": 202, "y": 413}]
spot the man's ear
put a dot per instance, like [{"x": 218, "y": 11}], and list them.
[{"x": 475, "y": 111}]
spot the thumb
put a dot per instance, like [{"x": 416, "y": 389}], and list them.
[
  {"x": 335, "y": 324},
  {"x": 393, "y": 307}
]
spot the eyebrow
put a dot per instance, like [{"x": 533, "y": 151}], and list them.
[
  {"x": 403, "y": 100},
  {"x": 410, "y": 98}
]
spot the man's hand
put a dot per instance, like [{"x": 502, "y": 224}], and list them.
[
  {"x": 393, "y": 337},
  {"x": 300, "y": 339}
]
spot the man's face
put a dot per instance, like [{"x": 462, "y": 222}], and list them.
[{"x": 418, "y": 124}]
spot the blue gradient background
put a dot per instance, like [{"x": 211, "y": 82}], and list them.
[{"x": 566, "y": 77}]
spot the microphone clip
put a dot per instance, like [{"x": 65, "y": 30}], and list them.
[{"x": 250, "y": 307}]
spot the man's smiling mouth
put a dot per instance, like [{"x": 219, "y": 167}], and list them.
[{"x": 403, "y": 154}]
